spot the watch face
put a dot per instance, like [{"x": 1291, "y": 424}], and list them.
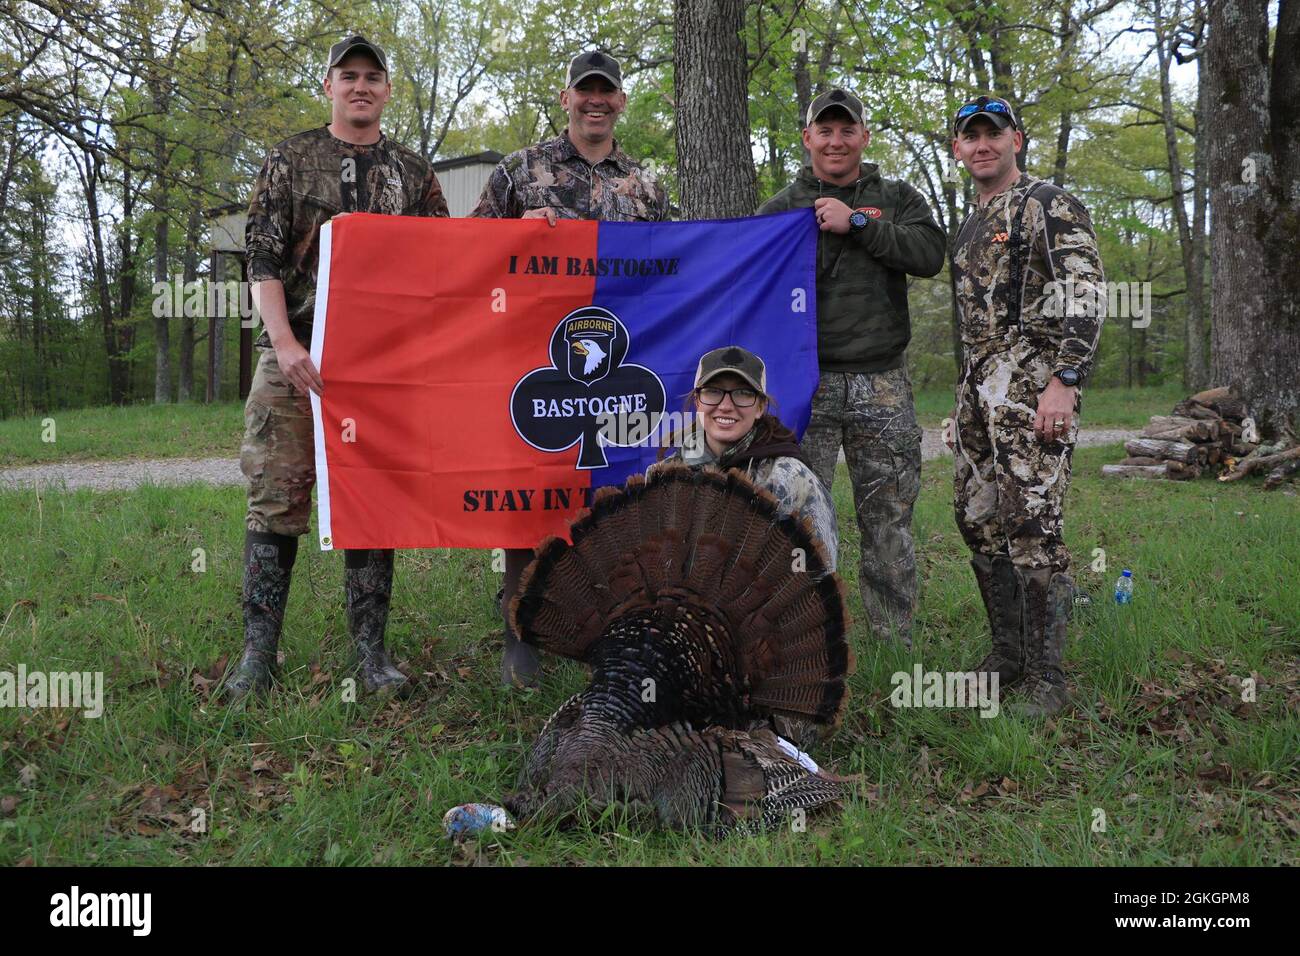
[
  {"x": 857, "y": 220},
  {"x": 1068, "y": 376}
]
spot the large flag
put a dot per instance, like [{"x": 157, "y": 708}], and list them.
[{"x": 483, "y": 377}]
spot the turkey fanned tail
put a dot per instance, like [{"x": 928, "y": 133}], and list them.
[{"x": 696, "y": 605}]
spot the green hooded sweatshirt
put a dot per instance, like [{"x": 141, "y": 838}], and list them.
[{"x": 862, "y": 319}]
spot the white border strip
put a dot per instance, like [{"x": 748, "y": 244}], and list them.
[{"x": 318, "y": 423}]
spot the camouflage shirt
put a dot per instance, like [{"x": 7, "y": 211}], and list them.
[
  {"x": 1063, "y": 288},
  {"x": 311, "y": 177},
  {"x": 553, "y": 173},
  {"x": 799, "y": 493}
]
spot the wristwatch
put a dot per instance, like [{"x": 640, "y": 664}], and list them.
[
  {"x": 1068, "y": 375},
  {"x": 857, "y": 221}
]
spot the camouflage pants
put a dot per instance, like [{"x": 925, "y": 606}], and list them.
[
  {"x": 1010, "y": 487},
  {"x": 872, "y": 417},
  {"x": 277, "y": 455}
]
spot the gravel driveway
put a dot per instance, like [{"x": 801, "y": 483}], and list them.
[{"x": 113, "y": 475}]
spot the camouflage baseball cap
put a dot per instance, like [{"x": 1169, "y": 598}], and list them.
[
  {"x": 341, "y": 49},
  {"x": 994, "y": 107},
  {"x": 836, "y": 98},
  {"x": 732, "y": 358},
  {"x": 595, "y": 63}
]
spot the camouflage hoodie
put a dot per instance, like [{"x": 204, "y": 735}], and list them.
[{"x": 863, "y": 323}]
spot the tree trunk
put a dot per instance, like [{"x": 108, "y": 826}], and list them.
[
  {"x": 714, "y": 160},
  {"x": 162, "y": 376},
  {"x": 217, "y": 330},
  {"x": 126, "y": 288},
  {"x": 955, "y": 222},
  {"x": 162, "y": 369},
  {"x": 1177, "y": 179},
  {"x": 1254, "y": 129},
  {"x": 1065, "y": 72},
  {"x": 40, "y": 382},
  {"x": 802, "y": 89},
  {"x": 1003, "y": 81},
  {"x": 185, "y": 373},
  {"x": 11, "y": 162},
  {"x": 117, "y": 367},
  {"x": 1198, "y": 367},
  {"x": 1062, "y": 148}
]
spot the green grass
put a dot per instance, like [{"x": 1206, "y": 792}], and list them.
[
  {"x": 1102, "y": 407},
  {"x": 133, "y": 431},
  {"x": 1184, "y": 772}
]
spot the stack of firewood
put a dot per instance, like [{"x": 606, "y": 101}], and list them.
[{"x": 1204, "y": 430}]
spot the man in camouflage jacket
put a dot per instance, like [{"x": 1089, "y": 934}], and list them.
[
  {"x": 875, "y": 232},
  {"x": 1030, "y": 296},
  {"x": 580, "y": 174},
  {"x": 347, "y": 166}
]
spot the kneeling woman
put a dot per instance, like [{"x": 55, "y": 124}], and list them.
[{"x": 735, "y": 428}]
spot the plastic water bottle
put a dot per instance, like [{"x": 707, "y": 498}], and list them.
[
  {"x": 1124, "y": 588},
  {"x": 471, "y": 818}
]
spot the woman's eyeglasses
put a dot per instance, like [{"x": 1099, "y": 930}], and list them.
[{"x": 740, "y": 397}]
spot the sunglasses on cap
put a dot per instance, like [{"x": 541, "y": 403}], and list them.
[{"x": 986, "y": 105}]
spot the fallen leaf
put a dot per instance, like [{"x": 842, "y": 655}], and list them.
[
  {"x": 27, "y": 776},
  {"x": 970, "y": 794},
  {"x": 1221, "y": 772},
  {"x": 8, "y": 806}
]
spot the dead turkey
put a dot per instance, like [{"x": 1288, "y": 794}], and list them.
[{"x": 707, "y": 619}]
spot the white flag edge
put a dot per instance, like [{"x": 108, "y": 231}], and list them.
[{"x": 318, "y": 422}]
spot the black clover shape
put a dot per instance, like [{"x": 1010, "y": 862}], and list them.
[{"x": 582, "y": 404}]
